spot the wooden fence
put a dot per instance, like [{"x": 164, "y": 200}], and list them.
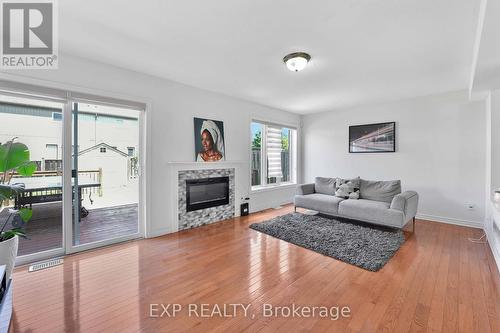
[{"x": 255, "y": 164}]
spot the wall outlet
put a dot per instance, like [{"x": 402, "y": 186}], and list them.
[{"x": 471, "y": 206}]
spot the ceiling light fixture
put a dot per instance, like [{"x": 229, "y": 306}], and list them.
[{"x": 296, "y": 61}]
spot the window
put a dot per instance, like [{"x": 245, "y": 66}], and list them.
[
  {"x": 102, "y": 150},
  {"x": 273, "y": 160},
  {"x": 131, "y": 151},
  {"x": 53, "y": 165},
  {"x": 51, "y": 151},
  {"x": 57, "y": 116}
]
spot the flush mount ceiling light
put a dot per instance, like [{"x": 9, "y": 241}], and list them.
[{"x": 296, "y": 61}]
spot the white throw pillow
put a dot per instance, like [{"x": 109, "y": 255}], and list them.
[{"x": 347, "y": 191}]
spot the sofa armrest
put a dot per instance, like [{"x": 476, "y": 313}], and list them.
[
  {"x": 407, "y": 202},
  {"x": 304, "y": 189}
]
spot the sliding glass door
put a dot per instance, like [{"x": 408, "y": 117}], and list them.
[
  {"x": 34, "y": 124},
  {"x": 82, "y": 179},
  {"x": 106, "y": 173}
]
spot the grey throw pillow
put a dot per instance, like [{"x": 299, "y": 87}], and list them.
[{"x": 324, "y": 185}]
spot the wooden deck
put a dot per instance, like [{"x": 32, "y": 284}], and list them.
[
  {"x": 438, "y": 281},
  {"x": 45, "y": 228}
]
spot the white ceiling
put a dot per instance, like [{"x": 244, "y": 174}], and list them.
[{"x": 363, "y": 51}]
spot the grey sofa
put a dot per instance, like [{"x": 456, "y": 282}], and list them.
[{"x": 380, "y": 202}]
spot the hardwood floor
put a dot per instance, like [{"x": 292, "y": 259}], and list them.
[
  {"x": 45, "y": 228},
  {"x": 437, "y": 282}
]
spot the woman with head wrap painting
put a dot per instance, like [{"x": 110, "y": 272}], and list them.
[{"x": 212, "y": 142}]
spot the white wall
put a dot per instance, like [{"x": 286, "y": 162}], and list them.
[
  {"x": 492, "y": 225},
  {"x": 495, "y": 139},
  {"x": 440, "y": 152},
  {"x": 35, "y": 132},
  {"x": 173, "y": 107}
]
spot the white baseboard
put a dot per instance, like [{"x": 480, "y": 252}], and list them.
[
  {"x": 434, "y": 218},
  {"x": 494, "y": 248},
  {"x": 493, "y": 240},
  {"x": 450, "y": 220},
  {"x": 160, "y": 232},
  {"x": 259, "y": 208}
]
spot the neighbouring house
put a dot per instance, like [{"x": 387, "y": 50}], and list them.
[{"x": 115, "y": 166}]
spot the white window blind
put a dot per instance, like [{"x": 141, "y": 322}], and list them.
[{"x": 273, "y": 142}]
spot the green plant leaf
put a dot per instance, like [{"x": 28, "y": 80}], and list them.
[
  {"x": 13, "y": 155},
  {"x": 27, "y": 169},
  {"x": 25, "y": 214},
  {"x": 5, "y": 192},
  {"x": 20, "y": 232},
  {"x": 3, "y": 156},
  {"x": 9, "y": 191},
  {"x": 12, "y": 233}
]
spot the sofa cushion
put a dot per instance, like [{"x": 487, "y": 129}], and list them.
[
  {"x": 371, "y": 211},
  {"x": 379, "y": 190},
  {"x": 320, "y": 202},
  {"x": 324, "y": 185}
]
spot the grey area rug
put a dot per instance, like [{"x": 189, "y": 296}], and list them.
[{"x": 368, "y": 247}]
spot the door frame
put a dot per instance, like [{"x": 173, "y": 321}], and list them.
[
  {"x": 68, "y": 199},
  {"x": 66, "y": 93}
]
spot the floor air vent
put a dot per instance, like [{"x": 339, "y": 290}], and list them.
[{"x": 45, "y": 264}]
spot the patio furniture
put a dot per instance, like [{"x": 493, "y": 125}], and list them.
[{"x": 49, "y": 189}]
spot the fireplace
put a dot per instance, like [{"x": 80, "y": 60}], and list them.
[
  {"x": 206, "y": 192},
  {"x": 191, "y": 211}
]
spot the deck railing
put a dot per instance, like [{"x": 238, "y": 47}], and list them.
[{"x": 95, "y": 175}]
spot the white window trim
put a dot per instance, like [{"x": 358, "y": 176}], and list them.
[
  {"x": 293, "y": 146},
  {"x": 272, "y": 187}
]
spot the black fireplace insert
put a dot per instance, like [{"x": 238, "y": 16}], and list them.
[{"x": 206, "y": 192}]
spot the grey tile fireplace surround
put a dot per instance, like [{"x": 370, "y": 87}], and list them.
[{"x": 188, "y": 220}]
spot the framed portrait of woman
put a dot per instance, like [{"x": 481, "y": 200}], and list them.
[{"x": 209, "y": 140}]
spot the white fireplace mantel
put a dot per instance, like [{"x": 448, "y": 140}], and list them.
[
  {"x": 242, "y": 180},
  {"x": 206, "y": 165}
]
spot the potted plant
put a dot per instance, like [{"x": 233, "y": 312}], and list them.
[{"x": 14, "y": 158}]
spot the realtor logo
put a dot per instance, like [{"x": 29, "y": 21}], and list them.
[{"x": 29, "y": 34}]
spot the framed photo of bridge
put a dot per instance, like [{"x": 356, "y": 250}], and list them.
[{"x": 373, "y": 138}]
